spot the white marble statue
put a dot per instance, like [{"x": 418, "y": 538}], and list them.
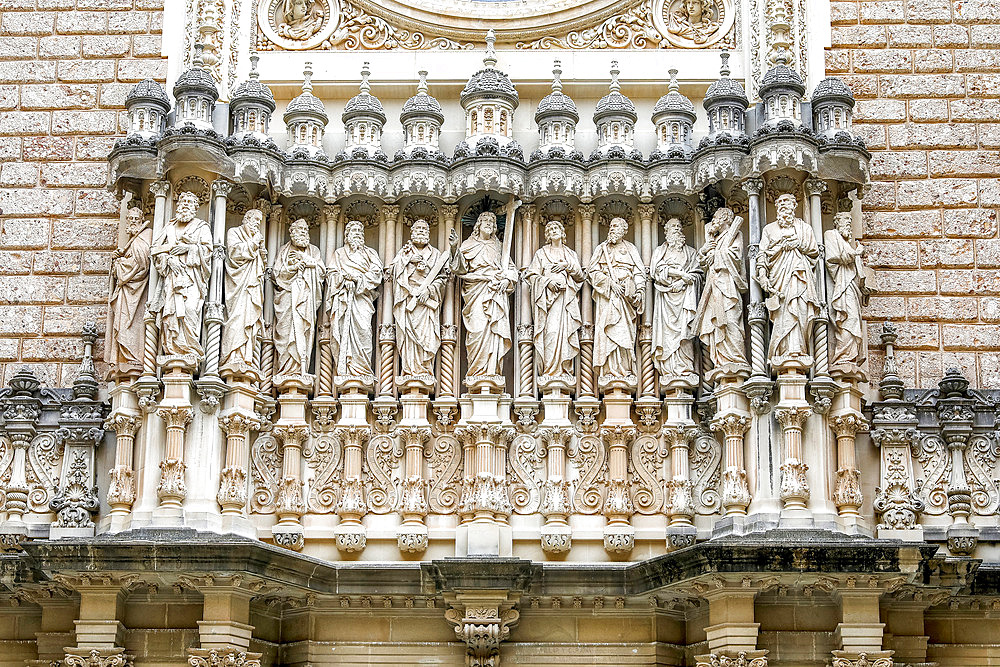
[
  {"x": 785, "y": 269},
  {"x": 298, "y": 281},
  {"x": 246, "y": 259},
  {"x": 673, "y": 268},
  {"x": 487, "y": 279},
  {"x": 555, "y": 277},
  {"x": 182, "y": 255},
  {"x": 127, "y": 297},
  {"x": 419, "y": 272},
  {"x": 618, "y": 277},
  {"x": 843, "y": 261},
  {"x": 719, "y": 320},
  {"x": 352, "y": 280}
]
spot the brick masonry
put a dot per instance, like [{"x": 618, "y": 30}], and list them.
[
  {"x": 926, "y": 74},
  {"x": 65, "y": 67}
]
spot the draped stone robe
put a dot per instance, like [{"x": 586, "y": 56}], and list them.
[
  {"x": 675, "y": 304},
  {"x": 788, "y": 255},
  {"x": 719, "y": 320},
  {"x": 485, "y": 305},
  {"x": 245, "y": 263},
  {"x": 843, "y": 260},
  {"x": 183, "y": 286},
  {"x": 351, "y": 312},
  {"x": 616, "y": 317},
  {"x": 555, "y": 277},
  {"x": 418, "y": 325},
  {"x": 126, "y": 304},
  {"x": 296, "y": 300}
]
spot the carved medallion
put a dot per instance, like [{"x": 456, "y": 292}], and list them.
[
  {"x": 693, "y": 24},
  {"x": 298, "y": 24}
]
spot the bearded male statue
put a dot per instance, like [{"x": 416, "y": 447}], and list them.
[
  {"x": 127, "y": 298},
  {"x": 352, "y": 280},
  {"x": 298, "y": 280},
  {"x": 674, "y": 267},
  {"x": 246, "y": 259}
]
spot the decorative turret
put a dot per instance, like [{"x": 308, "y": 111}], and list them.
[
  {"x": 556, "y": 117},
  {"x": 725, "y": 104},
  {"x": 489, "y": 100},
  {"x": 421, "y": 118},
  {"x": 364, "y": 119},
  {"x": 252, "y": 105},
  {"x": 305, "y": 118},
  {"x": 195, "y": 95},
  {"x": 147, "y": 106},
  {"x": 674, "y": 118},
  {"x": 832, "y": 107},
  {"x": 781, "y": 89},
  {"x": 615, "y": 120}
]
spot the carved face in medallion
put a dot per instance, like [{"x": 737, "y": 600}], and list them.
[
  {"x": 694, "y": 23},
  {"x": 298, "y": 24}
]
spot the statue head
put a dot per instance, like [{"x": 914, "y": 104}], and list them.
[
  {"x": 298, "y": 232},
  {"x": 785, "y": 205},
  {"x": 617, "y": 230},
  {"x": 721, "y": 220},
  {"x": 133, "y": 221},
  {"x": 844, "y": 222},
  {"x": 296, "y": 10},
  {"x": 486, "y": 225},
  {"x": 420, "y": 233},
  {"x": 355, "y": 234},
  {"x": 187, "y": 207},
  {"x": 694, "y": 9},
  {"x": 253, "y": 219},
  {"x": 674, "y": 232},
  {"x": 555, "y": 231}
]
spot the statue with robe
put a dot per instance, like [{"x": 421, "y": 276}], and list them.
[
  {"x": 618, "y": 277},
  {"x": 555, "y": 277},
  {"x": 719, "y": 319},
  {"x": 847, "y": 273},
  {"x": 125, "y": 334},
  {"x": 418, "y": 271},
  {"x": 674, "y": 270},
  {"x": 246, "y": 260},
  {"x": 182, "y": 256},
  {"x": 488, "y": 277},
  {"x": 353, "y": 277},
  {"x": 785, "y": 269},
  {"x": 298, "y": 282}
]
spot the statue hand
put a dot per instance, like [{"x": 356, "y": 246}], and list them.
[
  {"x": 178, "y": 249},
  {"x": 453, "y": 239},
  {"x": 116, "y": 254}
]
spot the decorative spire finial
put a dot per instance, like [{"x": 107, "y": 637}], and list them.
[
  {"x": 673, "y": 86},
  {"x": 724, "y": 69},
  {"x": 365, "y": 73},
  {"x": 615, "y": 86},
  {"x": 491, "y": 52},
  {"x": 199, "y": 55},
  {"x": 422, "y": 85},
  {"x": 307, "y": 78},
  {"x": 556, "y": 74},
  {"x": 780, "y": 35},
  {"x": 254, "y": 58}
]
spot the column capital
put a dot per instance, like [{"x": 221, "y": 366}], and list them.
[
  {"x": 815, "y": 187},
  {"x": 221, "y": 188}
]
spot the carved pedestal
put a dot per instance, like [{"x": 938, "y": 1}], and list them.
[
  {"x": 415, "y": 431},
  {"x": 482, "y": 620},
  {"x": 238, "y": 420},
  {"x": 293, "y": 432},
  {"x": 353, "y": 433},
  {"x": 678, "y": 432},
  {"x": 618, "y": 432},
  {"x": 176, "y": 411},
  {"x": 792, "y": 412}
]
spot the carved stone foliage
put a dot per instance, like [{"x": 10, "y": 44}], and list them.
[
  {"x": 706, "y": 470},
  {"x": 590, "y": 456},
  {"x": 524, "y": 460},
  {"x": 383, "y": 480},
  {"x": 648, "y": 454},
  {"x": 97, "y": 658},
  {"x": 216, "y": 658},
  {"x": 482, "y": 627}
]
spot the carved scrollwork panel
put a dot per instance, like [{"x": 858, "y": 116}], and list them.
[
  {"x": 647, "y": 456},
  {"x": 265, "y": 469},
  {"x": 324, "y": 457},
  {"x": 524, "y": 460},
  {"x": 980, "y": 464},
  {"x": 930, "y": 451},
  {"x": 383, "y": 483},
  {"x": 589, "y": 456},
  {"x": 45, "y": 459},
  {"x": 444, "y": 459},
  {"x": 706, "y": 470}
]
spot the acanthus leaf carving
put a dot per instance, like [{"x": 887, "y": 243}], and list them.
[
  {"x": 648, "y": 454},
  {"x": 589, "y": 455},
  {"x": 382, "y": 458},
  {"x": 524, "y": 461}
]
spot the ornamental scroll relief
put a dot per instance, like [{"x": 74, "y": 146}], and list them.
[{"x": 363, "y": 25}]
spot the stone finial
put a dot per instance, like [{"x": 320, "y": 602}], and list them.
[
  {"x": 85, "y": 384},
  {"x": 254, "y": 59},
  {"x": 365, "y": 73},
  {"x": 673, "y": 86},
  {"x": 199, "y": 55},
  {"x": 307, "y": 74},
  {"x": 724, "y": 68},
  {"x": 490, "y": 60},
  {"x": 615, "y": 86},
  {"x": 780, "y": 35},
  {"x": 556, "y": 74},
  {"x": 422, "y": 84}
]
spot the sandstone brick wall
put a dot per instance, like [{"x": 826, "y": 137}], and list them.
[
  {"x": 65, "y": 68},
  {"x": 926, "y": 74}
]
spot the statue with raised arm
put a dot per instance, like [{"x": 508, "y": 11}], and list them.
[
  {"x": 127, "y": 297},
  {"x": 847, "y": 273},
  {"x": 785, "y": 269},
  {"x": 182, "y": 256},
  {"x": 352, "y": 280},
  {"x": 298, "y": 281},
  {"x": 719, "y": 320},
  {"x": 488, "y": 277},
  {"x": 246, "y": 259},
  {"x": 419, "y": 272},
  {"x": 674, "y": 270},
  {"x": 618, "y": 277},
  {"x": 555, "y": 277}
]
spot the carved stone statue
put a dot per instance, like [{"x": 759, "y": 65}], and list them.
[
  {"x": 674, "y": 268},
  {"x": 555, "y": 277},
  {"x": 696, "y": 20},
  {"x": 418, "y": 273},
  {"x": 298, "y": 280},
  {"x": 719, "y": 320},
  {"x": 618, "y": 276},
  {"x": 487, "y": 278},
  {"x": 352, "y": 278},
  {"x": 127, "y": 297},
  {"x": 787, "y": 257},
  {"x": 246, "y": 258},
  {"x": 182, "y": 255},
  {"x": 300, "y": 19},
  {"x": 843, "y": 261}
]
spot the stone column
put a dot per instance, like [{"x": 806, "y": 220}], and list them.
[
  {"x": 416, "y": 433},
  {"x": 121, "y": 478},
  {"x": 647, "y": 371},
  {"x": 147, "y": 386},
  {"x": 731, "y": 628},
  {"x": 351, "y": 506},
  {"x": 232, "y": 496},
  {"x": 822, "y": 387},
  {"x": 324, "y": 363},
  {"x": 792, "y": 412},
  {"x": 860, "y": 630},
  {"x": 619, "y": 535},
  {"x": 587, "y": 405},
  {"x": 210, "y": 386},
  {"x": 385, "y": 369},
  {"x": 556, "y": 534},
  {"x": 273, "y": 241},
  {"x": 446, "y": 397},
  {"x": 735, "y": 490},
  {"x": 846, "y": 424},
  {"x": 678, "y": 431},
  {"x": 758, "y": 387},
  {"x": 525, "y": 243},
  {"x": 485, "y": 505},
  {"x": 293, "y": 432}
]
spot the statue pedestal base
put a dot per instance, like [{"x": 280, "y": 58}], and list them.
[
  {"x": 555, "y": 405},
  {"x": 424, "y": 383},
  {"x": 483, "y": 537},
  {"x": 681, "y": 536}
]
